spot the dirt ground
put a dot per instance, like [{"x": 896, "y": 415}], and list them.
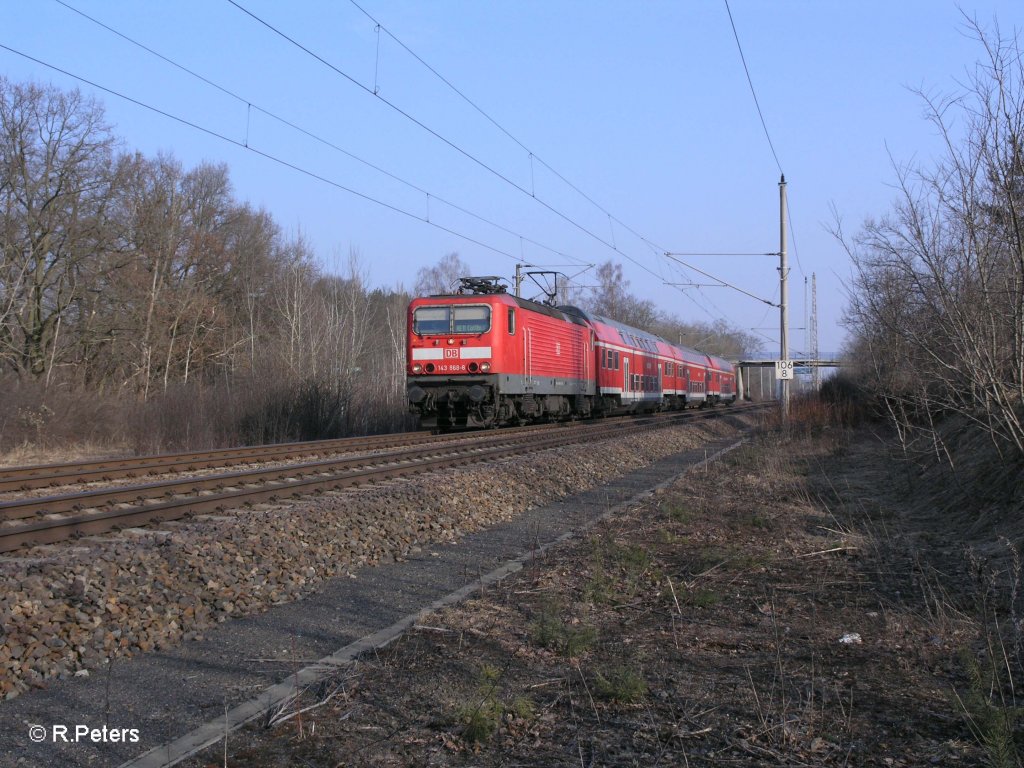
[{"x": 779, "y": 608}]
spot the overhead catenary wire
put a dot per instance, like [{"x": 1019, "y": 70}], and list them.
[
  {"x": 465, "y": 153},
  {"x": 532, "y": 155},
  {"x": 764, "y": 125},
  {"x": 273, "y": 158},
  {"x": 750, "y": 82},
  {"x": 250, "y": 105},
  {"x": 714, "y": 277}
]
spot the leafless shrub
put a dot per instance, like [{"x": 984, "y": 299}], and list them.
[
  {"x": 54, "y": 416},
  {"x": 937, "y": 298}
]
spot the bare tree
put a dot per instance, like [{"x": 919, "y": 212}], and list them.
[
  {"x": 145, "y": 278},
  {"x": 443, "y": 277},
  {"x": 612, "y": 299},
  {"x": 55, "y": 180},
  {"x": 937, "y": 299}
]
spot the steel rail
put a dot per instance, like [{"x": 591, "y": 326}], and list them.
[
  {"x": 352, "y": 472},
  {"x": 72, "y": 473}
]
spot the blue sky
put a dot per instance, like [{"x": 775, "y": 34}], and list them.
[{"x": 644, "y": 107}]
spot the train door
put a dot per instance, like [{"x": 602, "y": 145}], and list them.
[
  {"x": 528, "y": 357},
  {"x": 626, "y": 382}
]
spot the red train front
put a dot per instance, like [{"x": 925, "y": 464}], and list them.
[{"x": 489, "y": 358}]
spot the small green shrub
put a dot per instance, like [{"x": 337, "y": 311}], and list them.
[
  {"x": 703, "y": 598},
  {"x": 677, "y": 513},
  {"x": 522, "y": 707},
  {"x": 992, "y": 721},
  {"x": 576, "y": 641},
  {"x": 549, "y": 631},
  {"x": 480, "y": 722},
  {"x": 621, "y": 684}
]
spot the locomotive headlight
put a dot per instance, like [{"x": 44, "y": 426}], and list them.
[
  {"x": 417, "y": 368},
  {"x": 485, "y": 367}
]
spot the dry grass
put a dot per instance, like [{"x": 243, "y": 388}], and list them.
[{"x": 28, "y": 454}]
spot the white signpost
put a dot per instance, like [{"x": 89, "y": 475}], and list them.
[{"x": 784, "y": 370}]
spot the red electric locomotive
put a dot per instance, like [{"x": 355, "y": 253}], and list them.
[{"x": 483, "y": 358}]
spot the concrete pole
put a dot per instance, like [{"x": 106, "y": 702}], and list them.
[{"x": 783, "y": 299}]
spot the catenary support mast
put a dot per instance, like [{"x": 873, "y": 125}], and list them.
[{"x": 783, "y": 298}]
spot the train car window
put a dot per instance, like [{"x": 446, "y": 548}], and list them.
[
  {"x": 471, "y": 319},
  {"x": 616, "y": 359},
  {"x": 511, "y": 321},
  {"x": 427, "y": 321}
]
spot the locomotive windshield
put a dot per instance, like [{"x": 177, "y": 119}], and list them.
[
  {"x": 457, "y": 318},
  {"x": 471, "y": 319}
]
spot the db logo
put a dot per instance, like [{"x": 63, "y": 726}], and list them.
[{"x": 451, "y": 353}]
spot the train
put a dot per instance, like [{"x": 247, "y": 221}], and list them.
[{"x": 481, "y": 357}]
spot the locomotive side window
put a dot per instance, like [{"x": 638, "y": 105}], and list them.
[
  {"x": 471, "y": 319},
  {"x": 427, "y": 321},
  {"x": 511, "y": 321}
]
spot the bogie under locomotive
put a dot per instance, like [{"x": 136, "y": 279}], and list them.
[{"x": 489, "y": 359}]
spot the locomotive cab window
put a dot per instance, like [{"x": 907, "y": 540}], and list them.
[
  {"x": 471, "y": 319},
  {"x": 511, "y": 321},
  {"x": 428, "y": 321}
]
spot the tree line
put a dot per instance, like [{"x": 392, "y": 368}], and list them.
[{"x": 134, "y": 279}]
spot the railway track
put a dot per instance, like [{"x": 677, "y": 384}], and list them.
[
  {"x": 50, "y": 519},
  {"x": 54, "y": 475}
]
